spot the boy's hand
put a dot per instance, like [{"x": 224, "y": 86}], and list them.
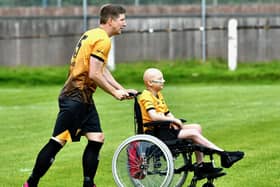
[{"x": 177, "y": 124}]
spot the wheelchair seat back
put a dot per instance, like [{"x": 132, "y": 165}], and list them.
[
  {"x": 138, "y": 123},
  {"x": 161, "y": 130}
]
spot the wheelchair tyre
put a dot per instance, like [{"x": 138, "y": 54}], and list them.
[
  {"x": 151, "y": 164},
  {"x": 180, "y": 178}
]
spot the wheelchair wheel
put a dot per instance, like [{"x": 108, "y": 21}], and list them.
[
  {"x": 208, "y": 185},
  {"x": 180, "y": 178},
  {"x": 142, "y": 160}
]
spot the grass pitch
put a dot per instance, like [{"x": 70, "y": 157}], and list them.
[{"x": 235, "y": 117}]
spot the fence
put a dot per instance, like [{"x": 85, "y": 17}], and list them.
[
  {"x": 38, "y": 38},
  {"x": 61, "y": 3}
]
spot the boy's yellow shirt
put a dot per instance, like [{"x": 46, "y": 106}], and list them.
[{"x": 148, "y": 101}]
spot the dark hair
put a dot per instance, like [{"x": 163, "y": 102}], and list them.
[{"x": 110, "y": 11}]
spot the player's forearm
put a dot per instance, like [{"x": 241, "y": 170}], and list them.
[
  {"x": 96, "y": 73},
  {"x": 111, "y": 80},
  {"x": 101, "y": 82}
]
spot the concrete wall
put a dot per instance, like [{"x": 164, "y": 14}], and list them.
[
  {"x": 37, "y": 38},
  {"x": 33, "y": 41}
]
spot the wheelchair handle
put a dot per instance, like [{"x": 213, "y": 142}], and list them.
[{"x": 133, "y": 94}]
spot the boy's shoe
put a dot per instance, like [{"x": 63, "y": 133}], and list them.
[
  {"x": 25, "y": 184},
  {"x": 205, "y": 169},
  {"x": 229, "y": 158}
]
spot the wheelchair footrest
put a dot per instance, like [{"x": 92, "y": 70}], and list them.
[{"x": 210, "y": 176}]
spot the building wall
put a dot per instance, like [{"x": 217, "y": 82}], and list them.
[{"x": 38, "y": 36}]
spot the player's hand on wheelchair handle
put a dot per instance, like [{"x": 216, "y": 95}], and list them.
[
  {"x": 132, "y": 93},
  {"x": 125, "y": 94},
  {"x": 120, "y": 94}
]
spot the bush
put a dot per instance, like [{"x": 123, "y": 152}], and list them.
[{"x": 175, "y": 72}]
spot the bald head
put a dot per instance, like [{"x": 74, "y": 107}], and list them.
[{"x": 152, "y": 74}]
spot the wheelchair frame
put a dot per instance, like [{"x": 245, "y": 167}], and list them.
[{"x": 157, "y": 161}]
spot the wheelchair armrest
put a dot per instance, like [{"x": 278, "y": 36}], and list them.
[
  {"x": 157, "y": 123},
  {"x": 183, "y": 120}
]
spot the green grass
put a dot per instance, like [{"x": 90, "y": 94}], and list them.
[
  {"x": 178, "y": 71},
  {"x": 244, "y": 117},
  {"x": 238, "y": 110}
]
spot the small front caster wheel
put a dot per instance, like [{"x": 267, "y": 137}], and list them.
[{"x": 208, "y": 185}]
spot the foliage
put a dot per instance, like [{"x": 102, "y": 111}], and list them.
[
  {"x": 33, "y": 75},
  {"x": 175, "y": 72}
]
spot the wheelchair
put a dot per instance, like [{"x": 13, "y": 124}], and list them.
[{"x": 156, "y": 159}]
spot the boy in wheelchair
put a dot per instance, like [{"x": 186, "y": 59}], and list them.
[{"x": 154, "y": 108}]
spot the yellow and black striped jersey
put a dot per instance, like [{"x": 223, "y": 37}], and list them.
[
  {"x": 148, "y": 101},
  {"x": 79, "y": 86}
]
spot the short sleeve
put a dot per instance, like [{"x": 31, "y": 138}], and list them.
[
  {"x": 101, "y": 50},
  {"x": 147, "y": 102}
]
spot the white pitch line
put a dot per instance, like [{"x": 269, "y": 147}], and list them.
[{"x": 25, "y": 170}]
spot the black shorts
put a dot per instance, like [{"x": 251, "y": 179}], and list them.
[
  {"x": 164, "y": 133},
  {"x": 75, "y": 119}
]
